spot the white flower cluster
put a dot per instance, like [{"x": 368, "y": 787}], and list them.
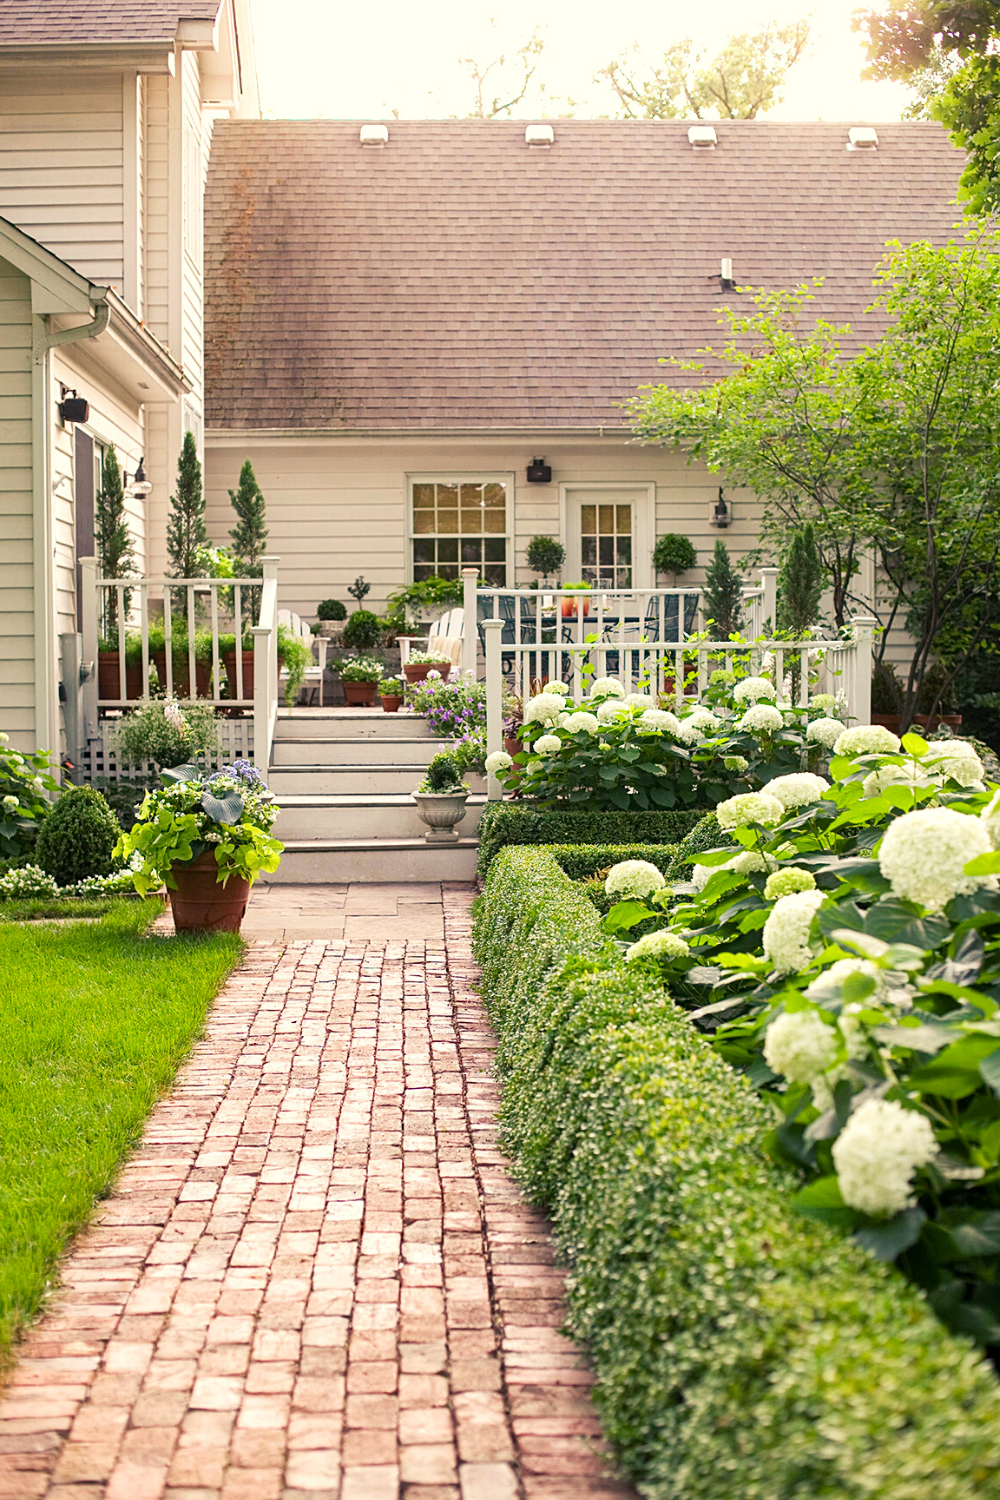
[
  {"x": 908, "y": 773},
  {"x": 749, "y": 862},
  {"x": 607, "y": 687},
  {"x": 639, "y": 700},
  {"x": 763, "y": 718},
  {"x": 610, "y": 709},
  {"x": 798, "y": 789},
  {"x": 661, "y": 720},
  {"x": 557, "y": 687},
  {"x": 800, "y": 1045},
  {"x": 752, "y": 689},
  {"x": 582, "y": 721},
  {"x": 498, "y": 762},
  {"x": 866, "y": 739},
  {"x": 118, "y": 883},
  {"x": 633, "y": 877},
  {"x": 827, "y": 987},
  {"x": 786, "y": 882},
  {"x": 544, "y": 708},
  {"x": 547, "y": 744},
  {"x": 737, "y": 763},
  {"x": 924, "y": 854},
  {"x": 825, "y": 732},
  {"x": 659, "y": 945},
  {"x": 823, "y": 703},
  {"x": 27, "y": 882},
  {"x": 749, "y": 807},
  {"x": 786, "y": 931},
  {"x": 877, "y": 1152},
  {"x": 958, "y": 760},
  {"x": 11, "y": 802},
  {"x": 690, "y": 733}
]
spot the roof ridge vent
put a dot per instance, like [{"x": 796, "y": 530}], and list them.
[
  {"x": 374, "y": 135},
  {"x": 703, "y": 137},
  {"x": 539, "y": 135},
  {"x": 862, "y": 138}
]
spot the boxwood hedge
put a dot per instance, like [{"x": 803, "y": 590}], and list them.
[
  {"x": 742, "y": 1353},
  {"x": 521, "y": 823},
  {"x": 580, "y": 860}
]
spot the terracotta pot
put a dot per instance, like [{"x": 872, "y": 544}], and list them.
[
  {"x": 109, "y": 681},
  {"x": 391, "y": 704},
  {"x": 229, "y": 662},
  {"x": 200, "y": 903},
  {"x": 360, "y": 694},
  {"x": 440, "y": 811},
  {"x": 888, "y": 721},
  {"x": 927, "y": 722},
  {"x": 417, "y": 671},
  {"x": 182, "y": 683},
  {"x": 512, "y": 745},
  {"x": 571, "y": 608}
]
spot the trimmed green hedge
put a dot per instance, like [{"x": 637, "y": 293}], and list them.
[
  {"x": 520, "y": 823},
  {"x": 706, "y": 834},
  {"x": 743, "y": 1353},
  {"x": 579, "y": 861}
]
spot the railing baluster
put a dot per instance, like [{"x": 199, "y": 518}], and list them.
[
  {"x": 122, "y": 672},
  {"x": 144, "y": 633},
  {"x": 168, "y": 637},
  {"x": 192, "y": 678},
  {"x": 238, "y": 607},
  {"x": 216, "y": 670}
]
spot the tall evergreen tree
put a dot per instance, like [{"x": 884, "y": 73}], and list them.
[
  {"x": 186, "y": 530},
  {"x": 249, "y": 535},
  {"x": 115, "y": 554},
  {"x": 800, "y": 584},
  {"x": 723, "y": 594}
]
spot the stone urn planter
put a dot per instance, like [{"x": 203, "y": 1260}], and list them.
[
  {"x": 360, "y": 694},
  {"x": 391, "y": 702},
  {"x": 441, "y": 811},
  {"x": 332, "y": 630},
  {"x": 200, "y": 903}
]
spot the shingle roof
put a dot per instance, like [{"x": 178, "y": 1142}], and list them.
[
  {"x": 457, "y": 277},
  {"x": 64, "y": 22}
]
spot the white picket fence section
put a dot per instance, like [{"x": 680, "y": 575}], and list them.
[{"x": 216, "y": 605}]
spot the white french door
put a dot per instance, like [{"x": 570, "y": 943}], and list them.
[{"x": 609, "y": 535}]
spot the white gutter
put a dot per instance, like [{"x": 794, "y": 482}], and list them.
[{"x": 43, "y": 549}]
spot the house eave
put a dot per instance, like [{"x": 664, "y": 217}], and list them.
[{"x": 237, "y": 435}]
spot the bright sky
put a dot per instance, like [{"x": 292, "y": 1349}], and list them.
[{"x": 334, "y": 59}]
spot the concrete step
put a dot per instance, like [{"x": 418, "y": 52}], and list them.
[
  {"x": 400, "y": 861},
  {"x": 365, "y": 781},
  {"x": 348, "y": 723},
  {"x": 372, "y": 750},
  {"x": 352, "y": 817}
]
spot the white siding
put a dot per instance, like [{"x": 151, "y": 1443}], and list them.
[
  {"x": 17, "y": 625},
  {"x": 61, "y": 174},
  {"x": 156, "y": 210},
  {"x": 196, "y": 138}
]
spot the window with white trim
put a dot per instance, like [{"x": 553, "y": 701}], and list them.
[{"x": 459, "y": 522}]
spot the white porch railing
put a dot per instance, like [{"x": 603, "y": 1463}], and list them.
[{"x": 215, "y": 606}]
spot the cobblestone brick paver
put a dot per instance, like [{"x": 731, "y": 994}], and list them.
[{"x": 315, "y": 1280}]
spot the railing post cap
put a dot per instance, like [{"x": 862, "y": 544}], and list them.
[
  {"x": 493, "y": 624},
  {"x": 474, "y": 572}
]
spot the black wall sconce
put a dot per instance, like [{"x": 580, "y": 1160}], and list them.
[
  {"x": 140, "y": 485},
  {"x": 72, "y": 408},
  {"x": 721, "y": 516},
  {"x": 539, "y": 472}
]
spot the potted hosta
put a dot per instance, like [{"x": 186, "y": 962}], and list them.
[
  {"x": 390, "y": 690},
  {"x": 360, "y": 676},
  {"x": 208, "y": 836},
  {"x": 441, "y": 798},
  {"x": 422, "y": 662}
]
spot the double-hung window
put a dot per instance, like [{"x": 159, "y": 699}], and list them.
[{"x": 460, "y": 521}]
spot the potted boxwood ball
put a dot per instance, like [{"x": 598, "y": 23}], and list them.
[
  {"x": 422, "y": 662},
  {"x": 360, "y": 676},
  {"x": 390, "y": 690},
  {"x": 441, "y": 799},
  {"x": 208, "y": 836},
  {"x": 331, "y": 614}
]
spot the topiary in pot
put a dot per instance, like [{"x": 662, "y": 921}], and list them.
[
  {"x": 331, "y": 609},
  {"x": 78, "y": 837},
  {"x": 674, "y": 554},
  {"x": 363, "y": 630},
  {"x": 545, "y": 555},
  {"x": 441, "y": 798}
]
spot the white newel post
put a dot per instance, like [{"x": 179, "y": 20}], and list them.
[
  {"x": 769, "y": 601},
  {"x": 470, "y": 584},
  {"x": 864, "y": 627},
  {"x": 261, "y": 696},
  {"x": 493, "y": 629},
  {"x": 90, "y": 620}
]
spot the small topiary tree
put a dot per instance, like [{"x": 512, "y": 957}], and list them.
[
  {"x": 187, "y": 534},
  {"x": 800, "y": 584},
  {"x": 674, "y": 554},
  {"x": 331, "y": 609},
  {"x": 249, "y": 535},
  {"x": 723, "y": 593},
  {"x": 444, "y": 774},
  {"x": 115, "y": 554},
  {"x": 78, "y": 837},
  {"x": 545, "y": 555},
  {"x": 363, "y": 630},
  {"x": 358, "y": 589}
]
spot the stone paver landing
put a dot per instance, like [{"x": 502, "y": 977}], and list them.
[{"x": 315, "y": 1280}]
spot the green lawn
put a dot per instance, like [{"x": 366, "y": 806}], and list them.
[
  {"x": 57, "y": 908},
  {"x": 94, "y": 1021}
]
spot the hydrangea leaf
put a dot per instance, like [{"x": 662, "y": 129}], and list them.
[
  {"x": 955, "y": 1072},
  {"x": 886, "y": 1241}
]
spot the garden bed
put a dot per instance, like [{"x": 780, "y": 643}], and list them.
[{"x": 741, "y": 1350}]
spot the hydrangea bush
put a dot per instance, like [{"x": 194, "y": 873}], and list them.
[
  {"x": 851, "y": 970},
  {"x": 25, "y": 781}
]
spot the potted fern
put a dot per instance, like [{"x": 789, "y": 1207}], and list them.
[{"x": 441, "y": 798}]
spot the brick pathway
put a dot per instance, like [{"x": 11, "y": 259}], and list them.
[{"x": 315, "y": 1280}]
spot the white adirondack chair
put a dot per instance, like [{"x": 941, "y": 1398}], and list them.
[{"x": 316, "y": 643}]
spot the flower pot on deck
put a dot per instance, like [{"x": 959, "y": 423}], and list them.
[
  {"x": 109, "y": 681},
  {"x": 416, "y": 671},
  {"x": 200, "y": 903},
  {"x": 391, "y": 703},
  {"x": 572, "y": 609},
  {"x": 182, "y": 675},
  {"x": 930, "y": 722},
  {"x": 229, "y": 662},
  {"x": 888, "y": 721},
  {"x": 360, "y": 694}
]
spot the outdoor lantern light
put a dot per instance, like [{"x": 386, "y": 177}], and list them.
[
  {"x": 539, "y": 472},
  {"x": 721, "y": 515},
  {"x": 140, "y": 485},
  {"x": 73, "y": 408}
]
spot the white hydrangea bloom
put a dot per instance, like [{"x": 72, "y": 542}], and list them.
[
  {"x": 990, "y": 817},
  {"x": 4, "y": 739},
  {"x": 877, "y": 1153},
  {"x": 543, "y": 708},
  {"x": 749, "y": 807},
  {"x": 690, "y": 733},
  {"x": 786, "y": 931},
  {"x": 547, "y": 744},
  {"x": 11, "y": 802},
  {"x": 706, "y": 721},
  {"x": 786, "y": 882},
  {"x": 702, "y": 874},
  {"x": 907, "y": 774},
  {"x": 534, "y": 767},
  {"x": 633, "y": 877},
  {"x": 749, "y": 862},
  {"x": 607, "y": 687},
  {"x": 825, "y": 732},
  {"x": 557, "y": 687},
  {"x": 827, "y": 986},
  {"x": 957, "y": 759},
  {"x": 924, "y": 853},
  {"x": 610, "y": 710},
  {"x": 823, "y": 703},
  {"x": 867, "y": 739},
  {"x": 799, "y": 1046},
  {"x": 737, "y": 763},
  {"x": 751, "y": 689},
  {"x": 763, "y": 718},
  {"x": 581, "y": 720},
  {"x": 498, "y": 762},
  {"x": 798, "y": 789},
  {"x": 661, "y": 945},
  {"x": 639, "y": 700},
  {"x": 661, "y": 719}
]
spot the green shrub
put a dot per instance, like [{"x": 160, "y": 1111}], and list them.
[
  {"x": 148, "y": 734},
  {"x": 706, "y": 834},
  {"x": 519, "y": 823},
  {"x": 363, "y": 630},
  {"x": 580, "y": 861},
  {"x": 444, "y": 775},
  {"x": 674, "y": 553},
  {"x": 331, "y": 609},
  {"x": 78, "y": 837},
  {"x": 742, "y": 1353}
]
